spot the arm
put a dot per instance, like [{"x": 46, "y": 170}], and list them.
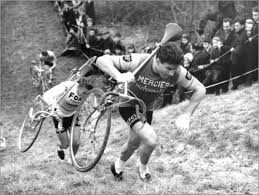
[
  {"x": 189, "y": 82},
  {"x": 112, "y": 64}
]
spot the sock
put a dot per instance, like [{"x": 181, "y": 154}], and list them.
[
  {"x": 119, "y": 165},
  {"x": 143, "y": 168}
]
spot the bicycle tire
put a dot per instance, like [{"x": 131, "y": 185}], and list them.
[
  {"x": 27, "y": 130},
  {"x": 87, "y": 157}
]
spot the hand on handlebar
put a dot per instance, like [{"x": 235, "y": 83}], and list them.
[{"x": 126, "y": 77}]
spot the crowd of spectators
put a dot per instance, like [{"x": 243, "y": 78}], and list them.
[
  {"x": 82, "y": 35},
  {"x": 230, "y": 50}
]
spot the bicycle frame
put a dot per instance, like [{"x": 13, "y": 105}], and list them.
[
  {"x": 42, "y": 113},
  {"x": 105, "y": 102}
]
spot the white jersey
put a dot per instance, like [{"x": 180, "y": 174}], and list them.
[{"x": 67, "y": 105}]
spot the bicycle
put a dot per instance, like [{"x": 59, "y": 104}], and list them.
[
  {"x": 95, "y": 126},
  {"x": 36, "y": 115},
  {"x": 39, "y": 77}
]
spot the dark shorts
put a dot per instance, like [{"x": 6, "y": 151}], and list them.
[
  {"x": 130, "y": 117},
  {"x": 67, "y": 122}
]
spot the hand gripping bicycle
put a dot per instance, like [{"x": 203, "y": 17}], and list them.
[{"x": 95, "y": 124}]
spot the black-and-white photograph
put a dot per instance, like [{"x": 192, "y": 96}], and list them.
[{"x": 129, "y": 97}]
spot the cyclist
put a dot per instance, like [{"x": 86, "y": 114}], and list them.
[
  {"x": 47, "y": 63},
  {"x": 162, "y": 71},
  {"x": 63, "y": 99}
]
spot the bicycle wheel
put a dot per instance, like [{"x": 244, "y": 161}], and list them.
[
  {"x": 30, "y": 130},
  {"x": 94, "y": 129}
]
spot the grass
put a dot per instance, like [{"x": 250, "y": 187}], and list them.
[{"x": 219, "y": 155}]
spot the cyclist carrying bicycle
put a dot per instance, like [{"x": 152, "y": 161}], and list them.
[
  {"x": 63, "y": 99},
  {"x": 47, "y": 63},
  {"x": 161, "y": 71}
]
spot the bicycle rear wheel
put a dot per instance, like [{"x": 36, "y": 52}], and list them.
[
  {"x": 94, "y": 129},
  {"x": 30, "y": 130}
]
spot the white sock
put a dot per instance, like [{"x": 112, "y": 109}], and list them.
[
  {"x": 143, "y": 168},
  {"x": 119, "y": 165}
]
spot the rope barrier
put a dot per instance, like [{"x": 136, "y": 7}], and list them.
[
  {"x": 217, "y": 59},
  {"x": 236, "y": 77}
]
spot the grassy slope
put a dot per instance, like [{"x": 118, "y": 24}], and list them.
[{"x": 219, "y": 155}]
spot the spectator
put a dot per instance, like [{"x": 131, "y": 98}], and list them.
[
  {"x": 207, "y": 44},
  {"x": 118, "y": 47},
  {"x": 73, "y": 44},
  {"x": 185, "y": 44},
  {"x": 200, "y": 57},
  {"x": 237, "y": 58},
  {"x": 226, "y": 9},
  {"x": 188, "y": 58},
  {"x": 89, "y": 9},
  {"x": 98, "y": 45},
  {"x": 107, "y": 43},
  {"x": 214, "y": 72},
  {"x": 228, "y": 37},
  {"x": 250, "y": 49},
  {"x": 254, "y": 42},
  {"x": 91, "y": 42},
  {"x": 131, "y": 49},
  {"x": 69, "y": 16},
  {"x": 89, "y": 22}
]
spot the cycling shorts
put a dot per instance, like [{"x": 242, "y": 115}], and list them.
[
  {"x": 67, "y": 122},
  {"x": 130, "y": 117}
]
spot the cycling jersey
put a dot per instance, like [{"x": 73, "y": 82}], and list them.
[
  {"x": 49, "y": 60},
  {"x": 68, "y": 104},
  {"x": 149, "y": 85}
]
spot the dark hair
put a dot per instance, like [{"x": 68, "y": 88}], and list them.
[
  {"x": 44, "y": 53},
  {"x": 170, "y": 53},
  {"x": 197, "y": 46},
  {"x": 227, "y": 20},
  {"x": 240, "y": 20},
  {"x": 255, "y": 9}
]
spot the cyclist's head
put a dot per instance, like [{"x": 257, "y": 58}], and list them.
[
  {"x": 170, "y": 53},
  {"x": 84, "y": 83}
]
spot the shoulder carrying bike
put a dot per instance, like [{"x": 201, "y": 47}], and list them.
[{"x": 36, "y": 115}]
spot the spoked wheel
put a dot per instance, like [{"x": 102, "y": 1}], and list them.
[
  {"x": 30, "y": 129},
  {"x": 94, "y": 127}
]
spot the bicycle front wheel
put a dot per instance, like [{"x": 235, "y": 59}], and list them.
[
  {"x": 94, "y": 130},
  {"x": 29, "y": 132}
]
